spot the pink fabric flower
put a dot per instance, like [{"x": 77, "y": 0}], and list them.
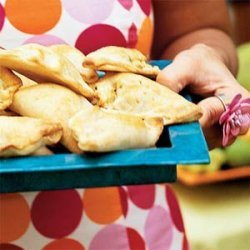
[{"x": 235, "y": 119}]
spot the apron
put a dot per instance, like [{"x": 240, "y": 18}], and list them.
[{"x": 110, "y": 218}]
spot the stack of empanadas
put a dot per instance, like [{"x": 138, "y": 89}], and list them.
[{"x": 62, "y": 100}]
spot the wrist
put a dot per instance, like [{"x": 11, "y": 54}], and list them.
[
  {"x": 218, "y": 41},
  {"x": 216, "y": 52}
]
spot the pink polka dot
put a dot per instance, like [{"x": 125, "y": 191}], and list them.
[
  {"x": 158, "y": 229},
  {"x": 45, "y": 40},
  {"x": 98, "y": 36},
  {"x": 127, "y": 4},
  {"x": 7, "y": 246},
  {"x": 111, "y": 237},
  {"x": 56, "y": 214},
  {"x": 2, "y": 15},
  {"x": 142, "y": 196},
  {"x": 145, "y": 6},
  {"x": 132, "y": 36},
  {"x": 90, "y": 12},
  {"x": 174, "y": 209}
]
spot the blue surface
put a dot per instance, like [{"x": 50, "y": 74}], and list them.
[{"x": 180, "y": 144}]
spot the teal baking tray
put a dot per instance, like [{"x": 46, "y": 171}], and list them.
[{"x": 179, "y": 144}]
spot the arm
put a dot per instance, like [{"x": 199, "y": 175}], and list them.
[
  {"x": 181, "y": 24},
  {"x": 195, "y": 34}
]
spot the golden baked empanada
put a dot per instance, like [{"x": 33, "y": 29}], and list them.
[
  {"x": 52, "y": 102},
  {"x": 42, "y": 64},
  {"x": 99, "y": 130},
  {"x": 24, "y": 135},
  {"x": 76, "y": 57},
  {"x": 120, "y": 59},
  {"x": 139, "y": 95},
  {"x": 9, "y": 84}
]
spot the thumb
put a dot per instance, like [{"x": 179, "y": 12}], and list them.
[{"x": 177, "y": 75}]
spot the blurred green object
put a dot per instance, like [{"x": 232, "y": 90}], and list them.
[
  {"x": 244, "y": 65},
  {"x": 238, "y": 154},
  {"x": 217, "y": 159}
]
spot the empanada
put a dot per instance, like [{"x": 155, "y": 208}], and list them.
[
  {"x": 42, "y": 64},
  {"x": 24, "y": 135},
  {"x": 120, "y": 59},
  {"x": 9, "y": 84},
  {"x": 99, "y": 130},
  {"x": 76, "y": 57},
  {"x": 52, "y": 102},
  {"x": 139, "y": 95}
]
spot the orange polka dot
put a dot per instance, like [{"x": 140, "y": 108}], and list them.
[
  {"x": 33, "y": 16},
  {"x": 145, "y": 37},
  {"x": 14, "y": 217},
  {"x": 64, "y": 244},
  {"x": 102, "y": 205}
]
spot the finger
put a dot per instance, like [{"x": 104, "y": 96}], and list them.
[
  {"x": 214, "y": 135},
  {"x": 178, "y": 74},
  {"x": 212, "y": 109}
]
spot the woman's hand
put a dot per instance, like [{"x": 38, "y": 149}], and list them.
[{"x": 201, "y": 70}]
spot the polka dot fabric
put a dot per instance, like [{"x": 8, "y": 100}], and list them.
[
  {"x": 124, "y": 218},
  {"x": 130, "y": 218},
  {"x": 87, "y": 25}
]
